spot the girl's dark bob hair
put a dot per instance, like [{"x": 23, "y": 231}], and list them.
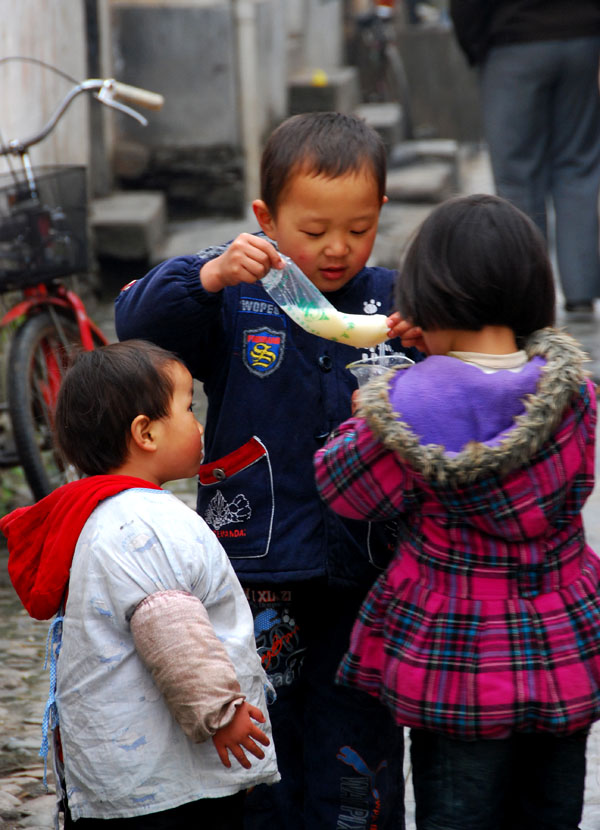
[
  {"x": 100, "y": 396},
  {"x": 477, "y": 261}
]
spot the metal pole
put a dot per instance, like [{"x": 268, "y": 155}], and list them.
[{"x": 245, "y": 19}]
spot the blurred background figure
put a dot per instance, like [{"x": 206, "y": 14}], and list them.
[{"x": 538, "y": 64}]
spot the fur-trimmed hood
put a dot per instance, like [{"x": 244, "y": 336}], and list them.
[{"x": 559, "y": 378}]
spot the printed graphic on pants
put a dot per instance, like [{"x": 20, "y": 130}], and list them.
[
  {"x": 277, "y": 635},
  {"x": 360, "y": 799}
]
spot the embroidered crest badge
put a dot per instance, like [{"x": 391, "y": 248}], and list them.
[{"x": 263, "y": 350}]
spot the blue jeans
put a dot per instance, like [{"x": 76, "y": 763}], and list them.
[
  {"x": 541, "y": 115},
  {"x": 525, "y": 782},
  {"x": 339, "y": 752}
]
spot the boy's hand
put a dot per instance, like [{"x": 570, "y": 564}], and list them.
[
  {"x": 239, "y": 734},
  {"x": 247, "y": 259},
  {"x": 409, "y": 335}
]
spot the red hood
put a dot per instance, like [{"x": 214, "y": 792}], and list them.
[{"x": 42, "y": 538}]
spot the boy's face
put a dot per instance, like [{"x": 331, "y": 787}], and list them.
[
  {"x": 180, "y": 433},
  {"x": 327, "y": 226}
]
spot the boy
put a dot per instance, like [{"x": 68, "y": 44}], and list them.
[
  {"x": 155, "y": 618},
  {"x": 275, "y": 392}
]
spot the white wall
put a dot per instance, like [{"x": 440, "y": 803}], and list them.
[
  {"x": 323, "y": 34},
  {"x": 198, "y": 69},
  {"x": 52, "y": 31}
]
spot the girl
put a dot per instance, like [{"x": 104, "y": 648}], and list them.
[{"x": 483, "y": 635}]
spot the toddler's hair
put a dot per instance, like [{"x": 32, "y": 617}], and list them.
[
  {"x": 330, "y": 144},
  {"x": 100, "y": 396},
  {"x": 477, "y": 261}
]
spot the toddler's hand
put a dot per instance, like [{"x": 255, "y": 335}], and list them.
[
  {"x": 409, "y": 335},
  {"x": 239, "y": 734},
  {"x": 247, "y": 259}
]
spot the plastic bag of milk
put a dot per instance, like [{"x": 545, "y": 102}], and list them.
[{"x": 302, "y": 301}]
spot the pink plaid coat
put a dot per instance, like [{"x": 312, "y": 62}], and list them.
[{"x": 487, "y": 620}]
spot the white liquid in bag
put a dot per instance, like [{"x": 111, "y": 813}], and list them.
[
  {"x": 304, "y": 303},
  {"x": 361, "y": 330}
]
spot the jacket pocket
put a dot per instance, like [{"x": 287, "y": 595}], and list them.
[{"x": 236, "y": 500}]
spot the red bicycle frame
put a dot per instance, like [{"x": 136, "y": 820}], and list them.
[{"x": 38, "y": 296}]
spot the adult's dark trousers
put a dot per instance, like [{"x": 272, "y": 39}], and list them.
[
  {"x": 525, "y": 782},
  {"x": 541, "y": 115},
  {"x": 339, "y": 752}
]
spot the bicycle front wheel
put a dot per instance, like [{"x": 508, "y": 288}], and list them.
[{"x": 41, "y": 352}]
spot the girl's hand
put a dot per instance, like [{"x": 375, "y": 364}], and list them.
[
  {"x": 239, "y": 734},
  {"x": 409, "y": 335},
  {"x": 247, "y": 259}
]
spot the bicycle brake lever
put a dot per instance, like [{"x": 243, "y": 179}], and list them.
[{"x": 105, "y": 96}]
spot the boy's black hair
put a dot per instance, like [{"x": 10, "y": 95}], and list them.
[
  {"x": 477, "y": 261},
  {"x": 323, "y": 143},
  {"x": 100, "y": 396}
]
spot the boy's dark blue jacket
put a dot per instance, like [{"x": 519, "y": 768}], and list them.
[{"x": 274, "y": 394}]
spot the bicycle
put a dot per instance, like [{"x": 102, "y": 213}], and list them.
[
  {"x": 43, "y": 240},
  {"x": 373, "y": 49}
]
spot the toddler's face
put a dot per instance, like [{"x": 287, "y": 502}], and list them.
[
  {"x": 328, "y": 226},
  {"x": 182, "y": 445}
]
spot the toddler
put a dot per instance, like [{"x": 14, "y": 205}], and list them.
[{"x": 158, "y": 678}]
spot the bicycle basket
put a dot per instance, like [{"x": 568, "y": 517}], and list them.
[{"x": 43, "y": 235}]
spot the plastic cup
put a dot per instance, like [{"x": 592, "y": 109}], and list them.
[{"x": 370, "y": 367}]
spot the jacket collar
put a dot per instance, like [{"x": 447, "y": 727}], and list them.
[{"x": 561, "y": 378}]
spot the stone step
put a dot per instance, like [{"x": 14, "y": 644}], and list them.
[
  {"x": 438, "y": 149},
  {"x": 387, "y": 118},
  {"x": 422, "y": 181},
  {"x": 192, "y": 235},
  {"x": 129, "y": 225}
]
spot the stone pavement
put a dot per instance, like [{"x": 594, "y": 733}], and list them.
[{"x": 24, "y": 684}]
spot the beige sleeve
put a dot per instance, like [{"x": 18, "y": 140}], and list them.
[{"x": 178, "y": 645}]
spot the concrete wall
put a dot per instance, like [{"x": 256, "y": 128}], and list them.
[
  {"x": 314, "y": 34},
  {"x": 52, "y": 31},
  {"x": 444, "y": 89},
  {"x": 184, "y": 52},
  {"x": 222, "y": 98},
  {"x": 223, "y": 67},
  {"x": 190, "y": 52},
  {"x": 323, "y": 34}
]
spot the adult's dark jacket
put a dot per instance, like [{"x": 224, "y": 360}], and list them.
[
  {"x": 481, "y": 24},
  {"x": 274, "y": 394}
]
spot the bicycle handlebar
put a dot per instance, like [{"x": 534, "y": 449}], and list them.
[
  {"x": 137, "y": 95},
  {"x": 108, "y": 92}
]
